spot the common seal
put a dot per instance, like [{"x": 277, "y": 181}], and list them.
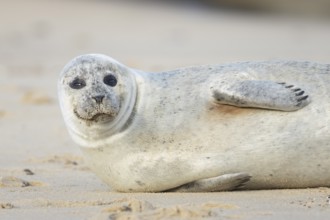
[{"x": 260, "y": 125}]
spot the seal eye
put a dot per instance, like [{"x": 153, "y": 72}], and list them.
[
  {"x": 110, "y": 80},
  {"x": 77, "y": 83}
]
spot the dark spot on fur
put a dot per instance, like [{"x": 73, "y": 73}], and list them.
[
  {"x": 327, "y": 69},
  {"x": 140, "y": 183}
]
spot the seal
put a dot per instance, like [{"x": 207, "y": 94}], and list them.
[{"x": 257, "y": 125}]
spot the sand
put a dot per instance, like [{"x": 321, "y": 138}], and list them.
[{"x": 42, "y": 172}]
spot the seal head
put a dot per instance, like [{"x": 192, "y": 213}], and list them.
[{"x": 97, "y": 96}]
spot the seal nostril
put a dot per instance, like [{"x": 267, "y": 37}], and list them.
[{"x": 98, "y": 98}]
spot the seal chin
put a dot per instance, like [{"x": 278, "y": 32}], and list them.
[{"x": 99, "y": 117}]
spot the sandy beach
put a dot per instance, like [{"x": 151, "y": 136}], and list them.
[{"x": 42, "y": 172}]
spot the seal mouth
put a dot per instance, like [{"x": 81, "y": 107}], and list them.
[{"x": 98, "y": 117}]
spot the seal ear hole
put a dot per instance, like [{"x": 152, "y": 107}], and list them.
[
  {"x": 77, "y": 83},
  {"x": 110, "y": 80}
]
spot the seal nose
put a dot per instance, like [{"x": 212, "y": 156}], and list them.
[{"x": 98, "y": 98}]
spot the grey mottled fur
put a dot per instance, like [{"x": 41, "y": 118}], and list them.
[{"x": 209, "y": 128}]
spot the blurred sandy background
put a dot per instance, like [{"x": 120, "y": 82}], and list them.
[{"x": 42, "y": 173}]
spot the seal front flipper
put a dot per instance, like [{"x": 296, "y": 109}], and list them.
[
  {"x": 225, "y": 182},
  {"x": 260, "y": 94}
]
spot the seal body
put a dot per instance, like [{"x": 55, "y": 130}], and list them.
[{"x": 268, "y": 122}]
